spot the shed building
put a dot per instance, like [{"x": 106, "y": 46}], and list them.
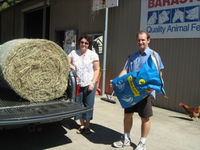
[{"x": 51, "y": 18}]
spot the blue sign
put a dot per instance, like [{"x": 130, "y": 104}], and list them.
[{"x": 170, "y": 19}]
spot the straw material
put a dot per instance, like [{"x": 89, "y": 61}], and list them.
[{"x": 36, "y": 69}]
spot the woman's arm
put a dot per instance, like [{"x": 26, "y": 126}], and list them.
[
  {"x": 96, "y": 67},
  {"x": 70, "y": 63}
]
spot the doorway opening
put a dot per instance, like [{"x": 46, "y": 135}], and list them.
[{"x": 36, "y": 23}]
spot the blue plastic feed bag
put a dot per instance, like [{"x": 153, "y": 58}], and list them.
[{"x": 130, "y": 88}]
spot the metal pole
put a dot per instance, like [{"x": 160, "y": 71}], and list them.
[{"x": 104, "y": 53}]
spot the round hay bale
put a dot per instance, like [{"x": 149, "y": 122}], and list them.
[{"x": 36, "y": 69}]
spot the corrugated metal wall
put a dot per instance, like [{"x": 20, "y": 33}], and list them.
[
  {"x": 182, "y": 70},
  {"x": 180, "y": 56},
  {"x": 7, "y": 25},
  {"x": 123, "y": 24},
  {"x": 12, "y": 25},
  {"x": 75, "y": 14}
]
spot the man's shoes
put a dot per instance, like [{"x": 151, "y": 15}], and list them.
[
  {"x": 141, "y": 146},
  {"x": 121, "y": 143}
]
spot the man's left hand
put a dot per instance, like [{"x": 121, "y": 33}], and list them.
[{"x": 148, "y": 90}]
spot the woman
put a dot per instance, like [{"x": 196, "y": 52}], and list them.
[{"x": 86, "y": 64}]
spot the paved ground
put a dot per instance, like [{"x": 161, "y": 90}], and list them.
[{"x": 170, "y": 131}]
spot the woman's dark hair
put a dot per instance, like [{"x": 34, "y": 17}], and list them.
[{"x": 88, "y": 38}]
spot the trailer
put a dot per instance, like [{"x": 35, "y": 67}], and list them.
[{"x": 16, "y": 111}]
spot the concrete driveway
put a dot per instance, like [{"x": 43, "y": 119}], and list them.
[{"x": 170, "y": 131}]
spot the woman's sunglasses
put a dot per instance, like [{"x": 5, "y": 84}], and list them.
[{"x": 86, "y": 43}]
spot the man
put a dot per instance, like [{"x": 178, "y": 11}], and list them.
[{"x": 144, "y": 107}]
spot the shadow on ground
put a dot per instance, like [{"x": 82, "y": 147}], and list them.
[
  {"x": 34, "y": 137},
  {"x": 100, "y": 135},
  {"x": 183, "y": 118}
]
